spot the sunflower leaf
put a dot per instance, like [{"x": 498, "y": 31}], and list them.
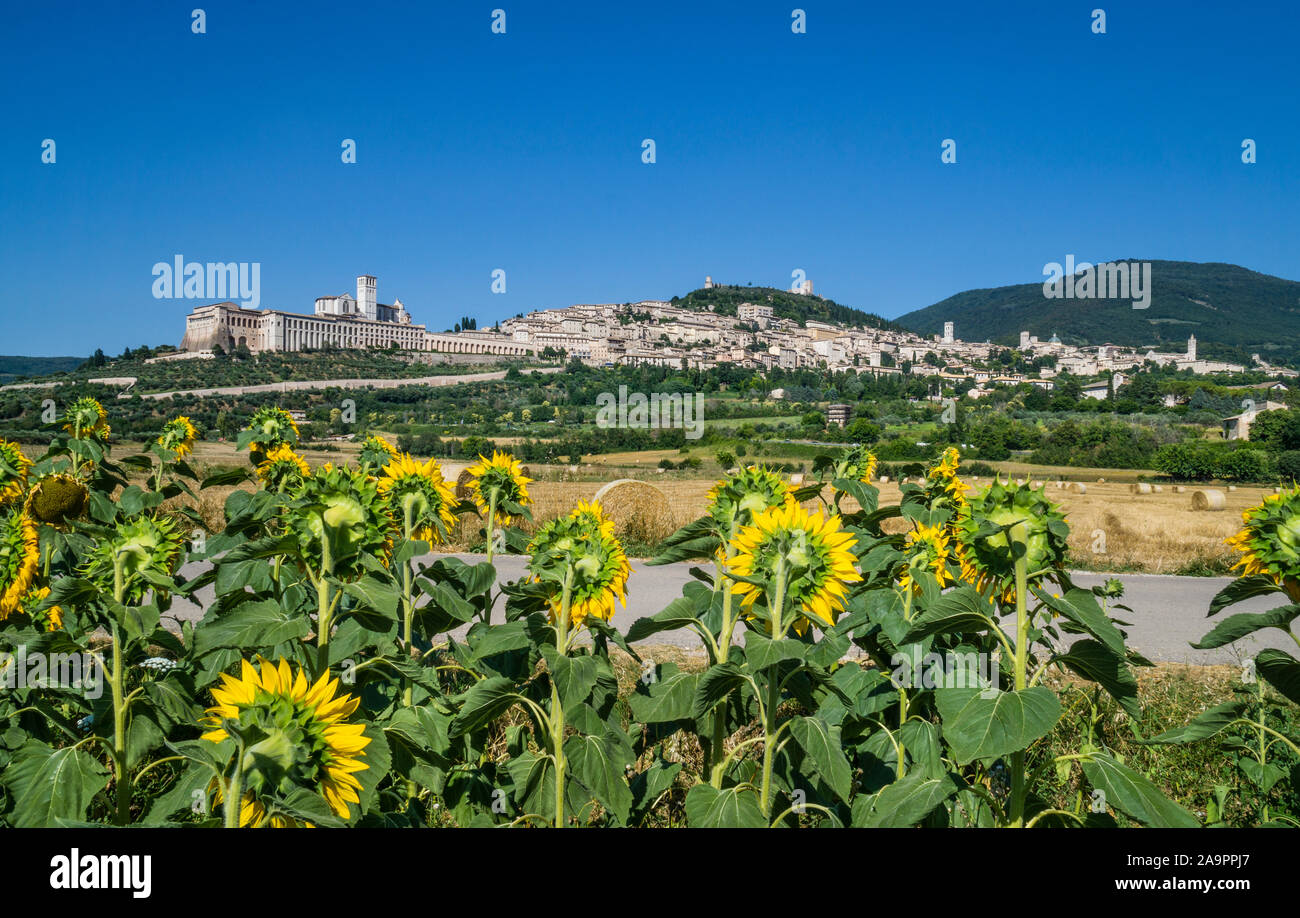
[{"x": 1238, "y": 626}]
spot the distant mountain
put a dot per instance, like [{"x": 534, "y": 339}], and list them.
[
  {"x": 723, "y": 300},
  {"x": 1232, "y": 311},
  {"x": 13, "y": 367}
]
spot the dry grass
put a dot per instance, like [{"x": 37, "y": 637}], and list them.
[{"x": 1111, "y": 527}]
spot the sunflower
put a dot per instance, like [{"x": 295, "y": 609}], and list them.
[
  {"x": 941, "y": 481},
  {"x": 813, "y": 551},
  {"x": 418, "y": 488},
  {"x": 57, "y": 498},
  {"x": 734, "y": 500},
  {"x": 14, "y": 467},
  {"x": 270, "y": 427},
  {"x": 178, "y": 435},
  {"x": 1269, "y": 541},
  {"x": 340, "y": 509},
  {"x": 19, "y": 558},
  {"x": 31, "y": 603},
  {"x": 501, "y": 477},
  {"x": 857, "y": 464},
  {"x": 583, "y": 545},
  {"x": 376, "y": 452},
  {"x": 927, "y": 548},
  {"x": 282, "y": 468},
  {"x": 307, "y": 743},
  {"x": 987, "y": 557},
  {"x": 147, "y": 547},
  {"x": 86, "y": 418}
]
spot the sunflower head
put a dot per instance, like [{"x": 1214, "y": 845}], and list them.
[
  {"x": 86, "y": 418},
  {"x": 339, "y": 519},
  {"x": 942, "y": 486},
  {"x": 19, "y": 557},
  {"x": 14, "y": 467},
  {"x": 501, "y": 477},
  {"x": 57, "y": 498},
  {"x": 1269, "y": 541},
  {"x": 376, "y": 452},
  {"x": 995, "y": 527},
  {"x": 296, "y": 735},
  {"x": 735, "y": 500},
  {"x": 270, "y": 427},
  {"x": 856, "y": 464},
  {"x": 416, "y": 491},
  {"x": 282, "y": 469},
  {"x": 178, "y": 435},
  {"x": 582, "y": 545},
  {"x": 811, "y": 554},
  {"x": 145, "y": 548},
  {"x": 927, "y": 548}
]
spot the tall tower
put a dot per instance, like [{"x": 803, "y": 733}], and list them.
[
  {"x": 1024, "y": 339},
  {"x": 947, "y": 333},
  {"x": 366, "y": 296},
  {"x": 1191, "y": 347}
]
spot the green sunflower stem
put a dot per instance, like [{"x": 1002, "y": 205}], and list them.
[
  {"x": 491, "y": 538},
  {"x": 408, "y": 619},
  {"x": 716, "y": 753},
  {"x": 1021, "y": 673},
  {"x": 117, "y": 679},
  {"x": 323, "y": 623},
  {"x": 773, "y": 696},
  {"x": 233, "y": 799},
  {"x": 557, "y": 707},
  {"x": 408, "y": 603}
]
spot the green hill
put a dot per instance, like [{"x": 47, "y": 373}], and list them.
[
  {"x": 12, "y": 368},
  {"x": 723, "y": 300},
  {"x": 1233, "y": 312}
]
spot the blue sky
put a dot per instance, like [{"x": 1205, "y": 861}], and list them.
[{"x": 522, "y": 151}]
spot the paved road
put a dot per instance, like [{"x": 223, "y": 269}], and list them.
[
  {"x": 293, "y": 385},
  {"x": 1168, "y": 612}
]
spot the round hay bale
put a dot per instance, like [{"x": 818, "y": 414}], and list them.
[
  {"x": 1179, "y": 489},
  {"x": 796, "y": 478},
  {"x": 1232, "y": 487},
  {"x": 1208, "y": 499},
  {"x": 1140, "y": 488},
  {"x": 1277, "y": 490},
  {"x": 1101, "y": 481},
  {"x": 1080, "y": 488},
  {"x": 1157, "y": 488},
  {"x": 462, "y": 484},
  {"x": 1035, "y": 485},
  {"x": 884, "y": 479},
  {"x": 639, "y": 510}
]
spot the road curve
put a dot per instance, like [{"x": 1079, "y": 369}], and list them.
[{"x": 294, "y": 385}]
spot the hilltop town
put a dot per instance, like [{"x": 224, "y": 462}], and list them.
[{"x": 668, "y": 334}]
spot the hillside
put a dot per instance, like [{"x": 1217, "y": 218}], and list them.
[
  {"x": 15, "y": 367},
  {"x": 724, "y": 299},
  {"x": 1232, "y": 311}
]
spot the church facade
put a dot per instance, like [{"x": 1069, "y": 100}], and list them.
[{"x": 344, "y": 321}]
